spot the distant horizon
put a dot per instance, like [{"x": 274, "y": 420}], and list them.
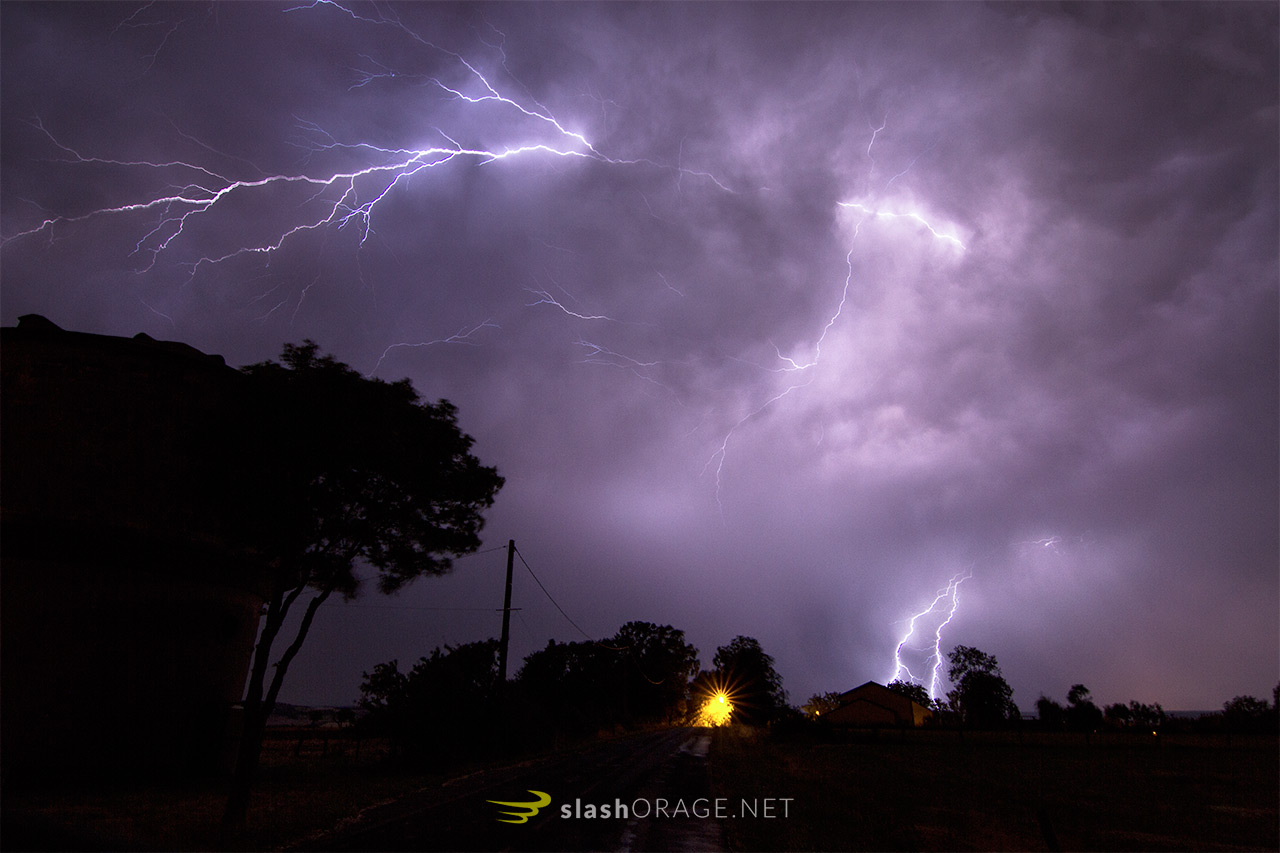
[{"x": 1027, "y": 713}]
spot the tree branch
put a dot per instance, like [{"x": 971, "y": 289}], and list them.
[{"x": 282, "y": 665}]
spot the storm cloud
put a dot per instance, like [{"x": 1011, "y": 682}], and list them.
[{"x": 791, "y": 313}]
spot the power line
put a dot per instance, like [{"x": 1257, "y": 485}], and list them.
[
  {"x": 485, "y": 551},
  {"x": 376, "y": 575},
  {"x": 628, "y": 649},
  {"x": 408, "y": 607},
  {"x": 557, "y": 605}
]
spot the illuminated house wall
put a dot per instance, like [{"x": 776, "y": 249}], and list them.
[
  {"x": 128, "y": 620},
  {"x": 873, "y": 704}
]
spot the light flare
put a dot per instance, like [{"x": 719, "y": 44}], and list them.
[{"x": 717, "y": 706}]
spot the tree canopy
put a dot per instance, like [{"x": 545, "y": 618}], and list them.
[
  {"x": 752, "y": 683},
  {"x": 447, "y": 703},
  {"x": 338, "y": 468},
  {"x": 326, "y": 470},
  {"x": 821, "y": 703},
  {"x": 641, "y": 674},
  {"x": 915, "y": 692},
  {"x": 979, "y": 694}
]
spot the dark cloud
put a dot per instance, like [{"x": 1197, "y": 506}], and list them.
[{"x": 1028, "y": 253}]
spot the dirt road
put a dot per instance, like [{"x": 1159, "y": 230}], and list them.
[{"x": 641, "y": 792}]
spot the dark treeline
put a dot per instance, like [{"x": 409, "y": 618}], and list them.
[
  {"x": 980, "y": 698},
  {"x": 1242, "y": 714},
  {"x": 451, "y": 703}
]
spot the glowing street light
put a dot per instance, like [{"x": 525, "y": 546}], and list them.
[{"x": 717, "y": 709}]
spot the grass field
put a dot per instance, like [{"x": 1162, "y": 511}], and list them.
[
  {"x": 304, "y": 785},
  {"x": 916, "y": 790},
  {"x": 308, "y": 784},
  {"x": 938, "y": 790}
]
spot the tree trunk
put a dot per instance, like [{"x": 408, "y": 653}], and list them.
[
  {"x": 233, "y": 817},
  {"x": 257, "y": 710},
  {"x": 254, "y": 723}
]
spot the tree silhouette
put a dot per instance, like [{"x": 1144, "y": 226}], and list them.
[
  {"x": 754, "y": 686},
  {"x": 1081, "y": 715},
  {"x": 561, "y": 687},
  {"x": 1248, "y": 714},
  {"x": 1146, "y": 716},
  {"x": 327, "y": 470},
  {"x": 915, "y": 692},
  {"x": 654, "y": 667},
  {"x": 979, "y": 694},
  {"x": 639, "y": 675},
  {"x": 1052, "y": 715},
  {"x": 383, "y": 692},
  {"x": 821, "y": 703},
  {"x": 445, "y": 704}
]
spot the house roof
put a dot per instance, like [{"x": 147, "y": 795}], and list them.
[{"x": 879, "y": 694}]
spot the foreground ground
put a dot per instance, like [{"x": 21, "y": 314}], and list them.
[
  {"x": 938, "y": 790},
  {"x": 307, "y": 782},
  {"x": 925, "y": 790},
  {"x": 318, "y": 795}
]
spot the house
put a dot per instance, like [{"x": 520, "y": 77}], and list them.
[
  {"x": 874, "y": 704},
  {"x": 129, "y": 610}
]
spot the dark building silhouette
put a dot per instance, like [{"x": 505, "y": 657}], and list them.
[
  {"x": 128, "y": 618},
  {"x": 873, "y": 704}
]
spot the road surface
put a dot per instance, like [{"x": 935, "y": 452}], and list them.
[{"x": 658, "y": 778}]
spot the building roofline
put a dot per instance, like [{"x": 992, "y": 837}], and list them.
[{"x": 36, "y": 327}]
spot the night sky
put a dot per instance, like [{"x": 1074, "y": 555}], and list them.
[{"x": 775, "y": 318}]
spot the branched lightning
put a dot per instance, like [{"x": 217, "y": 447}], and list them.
[
  {"x": 716, "y": 461},
  {"x": 670, "y": 286},
  {"x": 790, "y": 364},
  {"x": 335, "y": 199},
  {"x": 462, "y": 336},
  {"x": 597, "y": 354},
  {"x": 946, "y": 601},
  {"x": 545, "y": 298},
  {"x": 910, "y": 214},
  {"x": 156, "y": 311},
  {"x": 339, "y": 184}
]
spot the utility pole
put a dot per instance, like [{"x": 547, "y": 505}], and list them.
[{"x": 506, "y": 615}]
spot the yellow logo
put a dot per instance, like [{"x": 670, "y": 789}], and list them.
[{"x": 523, "y": 811}]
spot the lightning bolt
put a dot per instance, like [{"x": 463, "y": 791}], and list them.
[
  {"x": 337, "y": 199},
  {"x": 462, "y": 336},
  {"x": 339, "y": 186},
  {"x": 545, "y": 298},
  {"x": 790, "y": 364},
  {"x": 878, "y": 213},
  {"x": 716, "y": 461},
  {"x": 341, "y": 183},
  {"x": 947, "y": 600},
  {"x": 597, "y": 354}
]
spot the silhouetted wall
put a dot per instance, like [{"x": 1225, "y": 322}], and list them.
[
  {"x": 128, "y": 619},
  {"x": 873, "y": 704}
]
